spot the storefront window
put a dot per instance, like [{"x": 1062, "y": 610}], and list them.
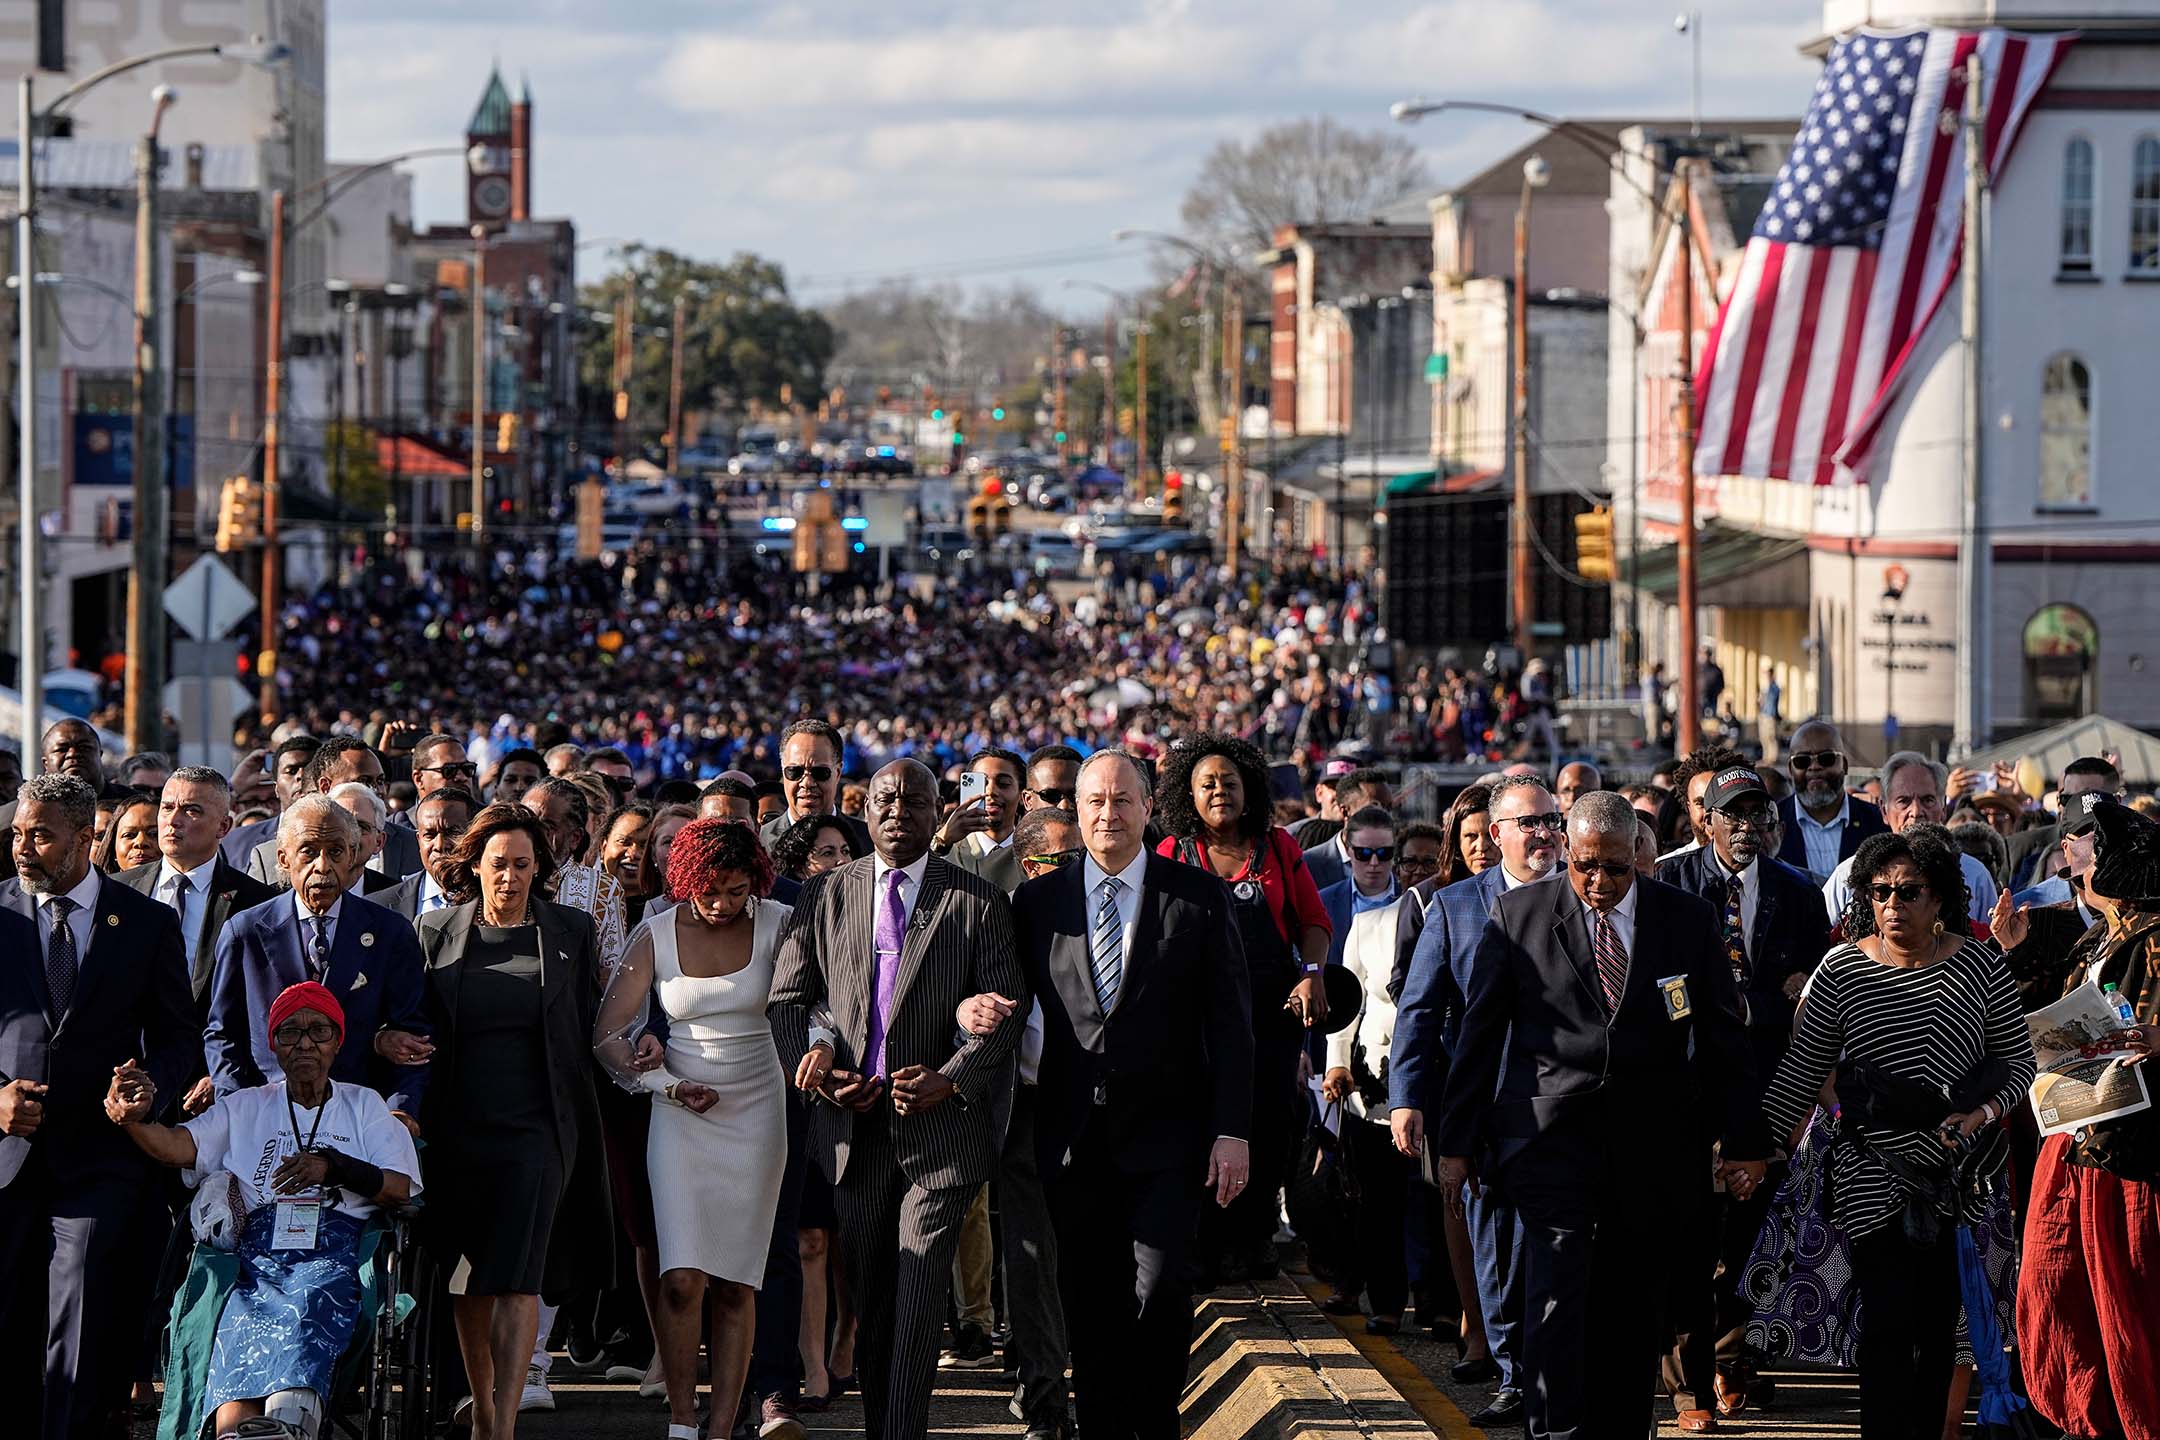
[{"x": 2062, "y": 652}]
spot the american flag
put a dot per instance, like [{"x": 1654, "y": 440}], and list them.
[{"x": 1855, "y": 248}]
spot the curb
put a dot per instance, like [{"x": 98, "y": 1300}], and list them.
[{"x": 1265, "y": 1361}]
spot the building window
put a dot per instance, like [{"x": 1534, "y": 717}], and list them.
[
  {"x": 2062, "y": 654},
  {"x": 2145, "y": 208},
  {"x": 2077, "y": 208},
  {"x": 2066, "y": 434}
]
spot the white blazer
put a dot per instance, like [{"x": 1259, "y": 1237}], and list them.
[{"x": 1369, "y": 954}]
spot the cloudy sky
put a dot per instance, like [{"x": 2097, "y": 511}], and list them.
[{"x": 950, "y": 139}]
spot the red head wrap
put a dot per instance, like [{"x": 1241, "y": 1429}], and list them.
[{"x": 307, "y": 995}]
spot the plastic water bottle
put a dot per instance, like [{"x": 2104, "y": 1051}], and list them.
[{"x": 2123, "y": 1012}]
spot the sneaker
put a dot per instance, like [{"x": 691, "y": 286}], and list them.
[
  {"x": 622, "y": 1372},
  {"x": 585, "y": 1355},
  {"x": 652, "y": 1385},
  {"x": 537, "y": 1396},
  {"x": 461, "y": 1413},
  {"x": 970, "y": 1350},
  {"x": 777, "y": 1420}
]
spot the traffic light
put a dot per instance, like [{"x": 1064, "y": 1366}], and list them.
[
  {"x": 239, "y": 514},
  {"x": 1173, "y": 499},
  {"x": 506, "y": 431},
  {"x": 978, "y": 517},
  {"x": 938, "y": 414},
  {"x": 998, "y": 413},
  {"x": 1594, "y": 544}
]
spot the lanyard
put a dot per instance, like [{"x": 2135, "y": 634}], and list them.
[{"x": 293, "y": 1114}]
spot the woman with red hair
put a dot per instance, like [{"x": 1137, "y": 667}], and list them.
[{"x": 718, "y": 1138}]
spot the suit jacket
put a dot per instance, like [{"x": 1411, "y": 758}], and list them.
[
  {"x": 238, "y": 846},
  {"x": 1864, "y": 822},
  {"x": 2032, "y": 854},
  {"x": 131, "y": 1002},
  {"x": 998, "y": 864},
  {"x": 400, "y": 857},
  {"x": 1429, "y": 1006},
  {"x": 1540, "y": 1069},
  {"x": 858, "y": 832},
  {"x": 403, "y": 896},
  {"x": 230, "y": 893},
  {"x": 375, "y": 973},
  {"x": 1790, "y": 936},
  {"x": 1171, "y": 1067},
  {"x": 1409, "y": 925},
  {"x": 1325, "y": 863},
  {"x": 570, "y": 1007},
  {"x": 959, "y": 943}
]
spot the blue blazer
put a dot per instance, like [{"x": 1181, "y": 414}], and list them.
[
  {"x": 1431, "y": 1004},
  {"x": 375, "y": 971},
  {"x": 132, "y": 1001}
]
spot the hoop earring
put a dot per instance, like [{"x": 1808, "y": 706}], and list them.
[{"x": 1938, "y": 929}]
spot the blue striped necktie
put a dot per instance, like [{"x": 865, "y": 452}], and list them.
[{"x": 1108, "y": 947}]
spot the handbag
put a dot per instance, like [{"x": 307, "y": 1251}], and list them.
[{"x": 1323, "y": 1196}]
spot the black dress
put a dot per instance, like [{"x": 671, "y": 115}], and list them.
[{"x": 504, "y": 1171}]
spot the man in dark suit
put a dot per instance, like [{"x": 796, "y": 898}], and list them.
[
  {"x": 437, "y": 821},
  {"x": 439, "y": 762},
  {"x": 2035, "y": 853},
  {"x": 908, "y": 1125},
  {"x": 1774, "y": 931},
  {"x": 339, "y": 760},
  {"x": 69, "y": 747},
  {"x": 1822, "y": 824},
  {"x": 1145, "y": 1099},
  {"x": 1523, "y": 822},
  {"x": 289, "y": 764},
  {"x": 1601, "y": 1052},
  {"x": 195, "y": 882},
  {"x": 368, "y": 956},
  {"x": 98, "y": 978},
  {"x": 810, "y": 782}
]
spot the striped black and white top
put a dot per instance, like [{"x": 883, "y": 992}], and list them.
[{"x": 1933, "y": 1025}]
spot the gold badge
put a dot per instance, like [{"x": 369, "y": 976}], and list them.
[
  {"x": 1674, "y": 990},
  {"x": 112, "y": 919},
  {"x": 367, "y": 938}
]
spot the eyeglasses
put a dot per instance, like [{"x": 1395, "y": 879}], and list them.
[
  {"x": 1056, "y": 859},
  {"x": 321, "y": 1033},
  {"x": 1607, "y": 868},
  {"x": 1906, "y": 894},
  {"x": 1373, "y": 852},
  {"x": 819, "y": 773},
  {"x": 1817, "y": 759},
  {"x": 1548, "y": 822},
  {"x": 463, "y": 767},
  {"x": 1762, "y": 822},
  {"x": 1056, "y": 799},
  {"x": 1418, "y": 862}
]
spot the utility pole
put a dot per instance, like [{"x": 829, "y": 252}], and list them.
[
  {"x": 1109, "y": 382},
  {"x": 1059, "y": 353},
  {"x": 625, "y": 317},
  {"x": 674, "y": 393},
  {"x": 146, "y": 578},
  {"x": 273, "y": 400},
  {"x": 1974, "y": 548},
  {"x": 479, "y": 380},
  {"x": 1687, "y": 733},
  {"x": 1140, "y": 407},
  {"x": 1234, "y": 448},
  {"x": 31, "y": 677},
  {"x": 1525, "y": 618}
]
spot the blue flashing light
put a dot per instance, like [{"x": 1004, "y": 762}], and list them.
[
  {"x": 855, "y": 522},
  {"x": 860, "y": 548},
  {"x": 782, "y": 523}
]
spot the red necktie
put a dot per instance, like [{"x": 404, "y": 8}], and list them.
[{"x": 1611, "y": 962}]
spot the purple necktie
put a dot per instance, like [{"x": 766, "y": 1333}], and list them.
[{"x": 891, "y": 930}]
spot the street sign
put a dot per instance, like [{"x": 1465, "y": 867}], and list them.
[
  {"x": 207, "y": 600},
  {"x": 205, "y": 658},
  {"x": 206, "y": 709}
]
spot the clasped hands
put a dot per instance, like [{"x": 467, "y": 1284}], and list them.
[{"x": 915, "y": 1089}]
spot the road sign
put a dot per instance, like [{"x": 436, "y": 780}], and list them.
[
  {"x": 206, "y": 709},
  {"x": 205, "y": 658},
  {"x": 207, "y": 600}
]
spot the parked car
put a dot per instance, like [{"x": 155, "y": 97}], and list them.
[{"x": 754, "y": 462}]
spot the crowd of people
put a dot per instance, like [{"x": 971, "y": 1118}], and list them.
[{"x": 681, "y": 1041}]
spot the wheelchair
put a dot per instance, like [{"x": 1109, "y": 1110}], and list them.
[{"x": 380, "y": 1388}]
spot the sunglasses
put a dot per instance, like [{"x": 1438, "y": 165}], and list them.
[
  {"x": 467, "y": 769},
  {"x": 319, "y": 1034},
  {"x": 1373, "y": 852},
  {"x": 1550, "y": 821},
  {"x": 1056, "y": 799},
  {"x": 1906, "y": 894},
  {"x": 1816, "y": 759},
  {"x": 1056, "y": 859},
  {"x": 819, "y": 773},
  {"x": 1607, "y": 868}
]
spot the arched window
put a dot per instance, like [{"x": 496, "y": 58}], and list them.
[
  {"x": 2077, "y": 208},
  {"x": 2062, "y": 654},
  {"x": 2065, "y": 433},
  {"x": 2145, "y": 207}
]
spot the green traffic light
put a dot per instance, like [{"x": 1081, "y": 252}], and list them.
[
  {"x": 1060, "y": 437},
  {"x": 998, "y": 414},
  {"x": 958, "y": 438},
  {"x": 937, "y": 414}
]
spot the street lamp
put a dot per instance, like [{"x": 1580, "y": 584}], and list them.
[
  {"x": 1109, "y": 398},
  {"x": 28, "y": 119}
]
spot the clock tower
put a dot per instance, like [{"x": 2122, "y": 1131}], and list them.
[{"x": 488, "y": 141}]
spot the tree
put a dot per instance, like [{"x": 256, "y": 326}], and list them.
[
  {"x": 1310, "y": 171},
  {"x": 955, "y": 341},
  {"x": 745, "y": 342}
]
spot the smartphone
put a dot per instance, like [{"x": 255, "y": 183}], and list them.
[
  {"x": 973, "y": 785},
  {"x": 1984, "y": 783}
]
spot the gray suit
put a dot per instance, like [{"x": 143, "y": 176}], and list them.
[
  {"x": 902, "y": 1182},
  {"x": 400, "y": 857}
]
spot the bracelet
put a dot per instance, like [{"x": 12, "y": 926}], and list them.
[{"x": 1311, "y": 969}]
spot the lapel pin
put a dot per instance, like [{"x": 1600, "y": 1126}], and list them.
[
  {"x": 367, "y": 939},
  {"x": 112, "y": 919}
]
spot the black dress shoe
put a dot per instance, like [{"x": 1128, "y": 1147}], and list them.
[
  {"x": 1506, "y": 1409},
  {"x": 1475, "y": 1372}
]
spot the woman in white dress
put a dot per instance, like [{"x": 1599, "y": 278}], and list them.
[{"x": 719, "y": 1134}]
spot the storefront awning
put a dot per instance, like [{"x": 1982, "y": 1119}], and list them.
[{"x": 1734, "y": 569}]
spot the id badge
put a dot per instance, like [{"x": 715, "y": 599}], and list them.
[
  {"x": 1674, "y": 990},
  {"x": 297, "y": 1225}
]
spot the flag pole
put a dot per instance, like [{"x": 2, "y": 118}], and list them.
[{"x": 1974, "y": 638}]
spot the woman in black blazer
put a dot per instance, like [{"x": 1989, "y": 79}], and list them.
[{"x": 513, "y": 1127}]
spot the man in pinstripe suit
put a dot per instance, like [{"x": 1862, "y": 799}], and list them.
[{"x": 907, "y": 1112}]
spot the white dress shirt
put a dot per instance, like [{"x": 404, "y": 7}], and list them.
[
  {"x": 304, "y": 918},
  {"x": 910, "y": 887},
  {"x": 1092, "y": 876},
  {"x": 85, "y": 896},
  {"x": 197, "y": 900},
  {"x": 1623, "y": 920}
]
